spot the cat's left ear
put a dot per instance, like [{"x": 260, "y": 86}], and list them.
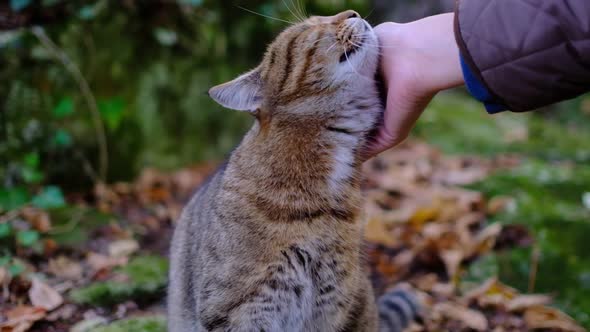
[{"x": 243, "y": 93}]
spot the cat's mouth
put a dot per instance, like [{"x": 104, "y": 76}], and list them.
[{"x": 354, "y": 47}]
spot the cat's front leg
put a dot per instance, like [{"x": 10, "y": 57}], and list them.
[{"x": 273, "y": 307}]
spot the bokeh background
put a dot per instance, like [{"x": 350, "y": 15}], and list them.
[{"x": 94, "y": 91}]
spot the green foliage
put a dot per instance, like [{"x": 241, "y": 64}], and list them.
[
  {"x": 148, "y": 66},
  {"x": 11, "y": 198},
  {"x": 13, "y": 265},
  {"x": 139, "y": 324},
  {"x": 27, "y": 238},
  {"x": 146, "y": 278},
  {"x": 49, "y": 198},
  {"x": 461, "y": 125}
]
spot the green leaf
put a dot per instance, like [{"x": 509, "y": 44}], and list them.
[
  {"x": 27, "y": 238},
  {"x": 145, "y": 324},
  {"x": 112, "y": 111},
  {"x": 5, "y": 259},
  {"x": 13, "y": 198},
  {"x": 62, "y": 138},
  {"x": 89, "y": 12},
  {"x": 165, "y": 36},
  {"x": 64, "y": 108},
  {"x": 5, "y": 230},
  {"x": 31, "y": 159},
  {"x": 147, "y": 277},
  {"x": 51, "y": 197},
  {"x": 16, "y": 268},
  {"x": 18, "y": 5}
]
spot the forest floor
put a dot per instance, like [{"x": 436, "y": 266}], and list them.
[{"x": 476, "y": 224}]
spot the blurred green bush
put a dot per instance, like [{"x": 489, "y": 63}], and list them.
[{"x": 147, "y": 66}]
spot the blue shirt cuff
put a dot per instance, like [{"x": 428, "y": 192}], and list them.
[{"x": 479, "y": 91}]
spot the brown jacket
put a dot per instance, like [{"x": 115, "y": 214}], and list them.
[{"x": 527, "y": 53}]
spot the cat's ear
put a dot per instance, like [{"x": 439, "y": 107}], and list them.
[{"x": 243, "y": 93}]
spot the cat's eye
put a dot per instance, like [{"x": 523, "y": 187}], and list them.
[{"x": 353, "y": 15}]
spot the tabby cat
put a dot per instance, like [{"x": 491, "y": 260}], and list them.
[{"x": 272, "y": 241}]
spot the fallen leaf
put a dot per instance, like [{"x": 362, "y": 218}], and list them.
[
  {"x": 21, "y": 318},
  {"x": 471, "y": 318},
  {"x": 522, "y": 302},
  {"x": 452, "y": 260},
  {"x": 123, "y": 248},
  {"x": 376, "y": 232},
  {"x": 100, "y": 262},
  {"x": 43, "y": 296},
  {"x": 549, "y": 318},
  {"x": 65, "y": 268},
  {"x": 38, "y": 219}
]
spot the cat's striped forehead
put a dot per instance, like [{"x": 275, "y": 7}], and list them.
[{"x": 299, "y": 60}]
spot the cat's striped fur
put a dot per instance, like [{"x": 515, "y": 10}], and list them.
[{"x": 272, "y": 242}]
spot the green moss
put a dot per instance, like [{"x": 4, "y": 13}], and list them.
[
  {"x": 146, "y": 279},
  {"x": 139, "y": 324}
]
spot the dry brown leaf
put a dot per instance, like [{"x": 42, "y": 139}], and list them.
[
  {"x": 65, "y": 268},
  {"x": 43, "y": 296},
  {"x": 485, "y": 240},
  {"x": 522, "y": 302},
  {"x": 123, "y": 248},
  {"x": 424, "y": 214},
  {"x": 38, "y": 219},
  {"x": 452, "y": 260},
  {"x": 376, "y": 232},
  {"x": 100, "y": 262},
  {"x": 21, "y": 318},
  {"x": 550, "y": 318},
  {"x": 480, "y": 290},
  {"x": 470, "y": 318}
]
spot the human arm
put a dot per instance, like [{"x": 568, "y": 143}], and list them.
[{"x": 516, "y": 55}]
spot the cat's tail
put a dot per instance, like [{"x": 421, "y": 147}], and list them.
[{"x": 397, "y": 309}]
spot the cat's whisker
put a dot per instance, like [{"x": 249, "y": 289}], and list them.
[
  {"x": 266, "y": 16},
  {"x": 299, "y": 8},
  {"x": 321, "y": 39},
  {"x": 352, "y": 67},
  {"x": 303, "y": 8},
  {"x": 376, "y": 50},
  {"x": 329, "y": 48},
  {"x": 291, "y": 11},
  {"x": 369, "y": 14}
]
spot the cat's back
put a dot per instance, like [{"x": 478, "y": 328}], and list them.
[{"x": 195, "y": 228}]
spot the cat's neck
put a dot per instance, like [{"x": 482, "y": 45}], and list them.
[{"x": 296, "y": 166}]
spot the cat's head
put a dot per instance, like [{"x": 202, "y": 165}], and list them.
[{"x": 324, "y": 61}]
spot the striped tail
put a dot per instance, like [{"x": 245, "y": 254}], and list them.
[{"x": 397, "y": 309}]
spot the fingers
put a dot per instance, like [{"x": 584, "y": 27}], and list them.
[{"x": 402, "y": 111}]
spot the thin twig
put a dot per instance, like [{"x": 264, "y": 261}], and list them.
[{"x": 73, "y": 69}]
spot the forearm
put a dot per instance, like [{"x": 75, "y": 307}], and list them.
[{"x": 526, "y": 54}]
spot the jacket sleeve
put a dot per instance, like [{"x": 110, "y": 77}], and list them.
[{"x": 524, "y": 54}]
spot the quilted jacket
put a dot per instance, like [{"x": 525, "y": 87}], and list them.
[{"x": 523, "y": 54}]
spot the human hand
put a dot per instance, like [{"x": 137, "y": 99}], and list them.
[{"x": 418, "y": 60}]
